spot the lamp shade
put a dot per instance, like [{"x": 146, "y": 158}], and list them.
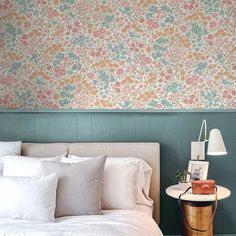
[{"x": 216, "y": 146}]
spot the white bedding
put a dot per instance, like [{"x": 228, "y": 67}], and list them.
[{"x": 111, "y": 223}]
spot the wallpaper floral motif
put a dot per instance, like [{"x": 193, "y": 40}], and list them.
[{"x": 118, "y": 54}]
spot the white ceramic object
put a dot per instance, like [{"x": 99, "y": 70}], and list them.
[{"x": 184, "y": 185}]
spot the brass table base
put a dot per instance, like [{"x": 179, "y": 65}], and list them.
[{"x": 199, "y": 216}]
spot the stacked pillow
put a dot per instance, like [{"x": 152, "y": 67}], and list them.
[
  {"x": 9, "y": 148},
  {"x": 126, "y": 182},
  {"x": 73, "y": 180},
  {"x": 43, "y": 188},
  {"x": 123, "y": 175}
]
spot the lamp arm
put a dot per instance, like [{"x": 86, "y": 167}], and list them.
[
  {"x": 205, "y": 131},
  {"x": 204, "y": 123}
]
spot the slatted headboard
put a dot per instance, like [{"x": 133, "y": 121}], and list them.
[{"x": 150, "y": 152}]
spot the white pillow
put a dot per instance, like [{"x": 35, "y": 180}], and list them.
[
  {"x": 9, "y": 148},
  {"x": 19, "y": 165},
  {"x": 126, "y": 182},
  {"x": 28, "y": 198}
]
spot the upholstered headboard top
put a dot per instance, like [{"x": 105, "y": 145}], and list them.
[
  {"x": 150, "y": 152},
  {"x": 44, "y": 149}
]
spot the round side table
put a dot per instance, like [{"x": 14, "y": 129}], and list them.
[{"x": 197, "y": 209}]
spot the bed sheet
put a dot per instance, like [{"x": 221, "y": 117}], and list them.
[{"x": 111, "y": 223}]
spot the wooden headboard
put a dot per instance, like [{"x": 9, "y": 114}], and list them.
[{"x": 150, "y": 152}]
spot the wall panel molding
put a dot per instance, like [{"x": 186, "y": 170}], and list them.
[{"x": 117, "y": 110}]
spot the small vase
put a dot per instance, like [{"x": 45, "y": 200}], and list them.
[{"x": 184, "y": 185}]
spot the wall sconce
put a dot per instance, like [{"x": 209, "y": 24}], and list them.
[{"x": 216, "y": 146}]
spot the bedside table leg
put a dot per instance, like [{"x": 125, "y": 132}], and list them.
[{"x": 199, "y": 216}]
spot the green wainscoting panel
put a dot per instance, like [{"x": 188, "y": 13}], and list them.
[
  {"x": 113, "y": 127},
  {"x": 142, "y": 128},
  {"x": 84, "y": 127},
  {"x": 27, "y": 127},
  {"x": 41, "y": 128},
  {"x": 69, "y": 128},
  {"x": 127, "y": 127},
  {"x": 174, "y": 132},
  {"x": 55, "y": 127},
  {"x": 2, "y": 118},
  {"x": 99, "y": 127},
  {"x": 11, "y": 127}
]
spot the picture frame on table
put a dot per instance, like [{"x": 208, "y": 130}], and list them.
[{"x": 198, "y": 170}]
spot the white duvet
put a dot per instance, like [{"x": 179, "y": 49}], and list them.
[{"x": 111, "y": 223}]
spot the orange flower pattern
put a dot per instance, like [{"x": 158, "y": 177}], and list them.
[{"x": 117, "y": 54}]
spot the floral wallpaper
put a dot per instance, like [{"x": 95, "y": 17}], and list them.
[{"x": 117, "y": 54}]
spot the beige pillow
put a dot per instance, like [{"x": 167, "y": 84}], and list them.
[{"x": 79, "y": 186}]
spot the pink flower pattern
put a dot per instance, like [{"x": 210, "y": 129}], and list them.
[{"x": 78, "y": 54}]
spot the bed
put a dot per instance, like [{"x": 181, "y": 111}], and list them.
[{"x": 111, "y": 222}]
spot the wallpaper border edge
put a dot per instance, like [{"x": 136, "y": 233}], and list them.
[{"x": 117, "y": 110}]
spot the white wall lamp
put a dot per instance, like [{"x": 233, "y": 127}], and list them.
[{"x": 216, "y": 146}]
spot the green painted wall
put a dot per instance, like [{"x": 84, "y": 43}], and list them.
[{"x": 173, "y": 130}]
